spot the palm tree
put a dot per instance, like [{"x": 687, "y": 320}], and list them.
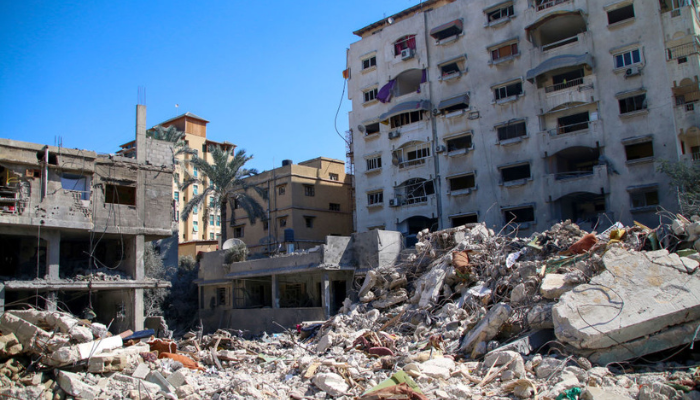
[{"x": 227, "y": 179}]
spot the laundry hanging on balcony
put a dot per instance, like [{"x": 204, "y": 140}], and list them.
[{"x": 386, "y": 92}]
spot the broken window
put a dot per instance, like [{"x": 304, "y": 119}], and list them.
[
  {"x": 334, "y": 206},
  {"x": 504, "y": 52},
  {"x": 500, "y": 13},
  {"x": 644, "y": 198},
  {"x": 459, "y": 143},
  {"x": 620, "y": 14},
  {"x": 119, "y": 194},
  {"x": 374, "y": 163},
  {"x": 462, "y": 182},
  {"x": 370, "y": 94},
  {"x": 447, "y": 30},
  {"x": 371, "y": 129},
  {"x": 282, "y": 221},
  {"x": 405, "y": 47},
  {"x": 633, "y": 103},
  {"x": 515, "y": 173},
  {"x": 281, "y": 190},
  {"x": 369, "y": 62},
  {"x": 221, "y": 296},
  {"x": 511, "y": 131},
  {"x": 76, "y": 183},
  {"x": 375, "y": 198},
  {"x": 572, "y": 123},
  {"x": 238, "y": 231},
  {"x": 512, "y": 90},
  {"x": 415, "y": 190},
  {"x": 412, "y": 153},
  {"x": 464, "y": 219},
  {"x": 53, "y": 160},
  {"x": 333, "y": 177},
  {"x": 519, "y": 215},
  {"x": 638, "y": 151},
  {"x": 309, "y": 190},
  {"x": 309, "y": 221},
  {"x": 627, "y": 58},
  {"x": 406, "y": 118}
]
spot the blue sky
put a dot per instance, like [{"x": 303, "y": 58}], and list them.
[{"x": 266, "y": 74}]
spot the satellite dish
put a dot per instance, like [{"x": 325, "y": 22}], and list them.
[
  {"x": 361, "y": 128},
  {"x": 231, "y": 243},
  {"x": 390, "y": 20}
]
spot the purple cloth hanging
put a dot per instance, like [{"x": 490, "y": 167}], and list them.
[
  {"x": 385, "y": 93},
  {"x": 423, "y": 78}
]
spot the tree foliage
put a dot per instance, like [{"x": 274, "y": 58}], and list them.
[
  {"x": 153, "y": 268},
  {"x": 686, "y": 182}
]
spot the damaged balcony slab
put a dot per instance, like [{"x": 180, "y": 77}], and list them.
[
  {"x": 638, "y": 295},
  {"x": 85, "y": 285}
]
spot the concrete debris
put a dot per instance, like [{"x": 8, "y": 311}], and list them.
[{"x": 467, "y": 314}]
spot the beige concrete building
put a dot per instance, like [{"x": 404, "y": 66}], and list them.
[
  {"x": 306, "y": 202},
  {"x": 204, "y": 223},
  {"x": 530, "y": 111}
]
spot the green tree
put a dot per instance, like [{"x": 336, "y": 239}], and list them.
[
  {"x": 686, "y": 181},
  {"x": 226, "y": 182}
]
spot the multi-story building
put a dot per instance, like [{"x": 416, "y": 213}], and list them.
[
  {"x": 73, "y": 226},
  {"x": 305, "y": 203},
  {"x": 203, "y": 227},
  {"x": 524, "y": 111}
]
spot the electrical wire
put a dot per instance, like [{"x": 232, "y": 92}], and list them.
[{"x": 335, "y": 121}]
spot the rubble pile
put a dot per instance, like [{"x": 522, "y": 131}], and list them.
[{"x": 470, "y": 313}]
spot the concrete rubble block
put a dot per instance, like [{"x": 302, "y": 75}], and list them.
[
  {"x": 530, "y": 343},
  {"x": 324, "y": 343},
  {"x": 438, "y": 367},
  {"x": 554, "y": 285},
  {"x": 428, "y": 286},
  {"x": 540, "y": 316},
  {"x": 368, "y": 284},
  {"x": 22, "y": 393},
  {"x": 515, "y": 361},
  {"x": 519, "y": 294},
  {"x": 157, "y": 378},
  {"x": 135, "y": 383},
  {"x": 29, "y": 335},
  {"x": 178, "y": 378},
  {"x": 599, "y": 393},
  {"x": 639, "y": 294},
  {"x": 107, "y": 362},
  {"x": 141, "y": 371},
  {"x": 657, "y": 391},
  {"x": 399, "y": 282},
  {"x": 331, "y": 383},
  {"x": 487, "y": 328},
  {"x": 85, "y": 350},
  {"x": 549, "y": 366},
  {"x": 184, "y": 391},
  {"x": 74, "y": 386},
  {"x": 394, "y": 298},
  {"x": 9, "y": 345}
]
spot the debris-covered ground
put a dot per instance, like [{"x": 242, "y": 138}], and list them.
[{"x": 470, "y": 314}]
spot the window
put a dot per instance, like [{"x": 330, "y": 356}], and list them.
[
  {"x": 449, "y": 70},
  {"x": 218, "y": 220},
  {"x": 627, "y": 58},
  {"x": 176, "y": 195},
  {"x": 462, "y": 182},
  {"x": 647, "y": 197},
  {"x": 195, "y": 172},
  {"x": 221, "y": 296},
  {"x": 500, "y": 13},
  {"x": 282, "y": 221},
  {"x": 413, "y": 153},
  {"x": 406, "y": 118},
  {"x": 281, "y": 190},
  {"x": 211, "y": 202},
  {"x": 374, "y": 163},
  {"x": 504, "y": 52},
  {"x": 118, "y": 194},
  {"x": 404, "y": 43},
  {"x": 572, "y": 123},
  {"x": 444, "y": 31},
  {"x": 633, "y": 103},
  {"x": 454, "y": 104},
  {"x": 211, "y": 236},
  {"x": 371, "y": 129},
  {"x": 177, "y": 215},
  {"x": 195, "y": 226},
  {"x": 370, "y": 95},
  {"x": 511, "y": 131},
  {"x": 334, "y": 206},
  {"x": 370, "y": 62},
  {"x": 76, "y": 183},
  {"x": 333, "y": 177},
  {"x": 519, "y": 215},
  {"x": 266, "y": 225},
  {"x": 195, "y": 189},
  {"x": 508, "y": 91},
  {"x": 463, "y": 220},
  {"x": 211, "y": 220},
  {"x": 620, "y": 14},
  {"x": 236, "y": 205},
  {"x": 309, "y": 190},
  {"x": 414, "y": 191},
  {"x": 195, "y": 210},
  {"x": 459, "y": 143},
  {"x": 375, "y": 198},
  {"x": 638, "y": 151},
  {"x": 309, "y": 222},
  {"x": 238, "y": 231},
  {"x": 515, "y": 173}
]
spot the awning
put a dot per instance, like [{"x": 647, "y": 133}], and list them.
[
  {"x": 451, "y": 28},
  {"x": 461, "y": 99},
  {"x": 550, "y": 16},
  {"x": 558, "y": 62},
  {"x": 406, "y": 107}
]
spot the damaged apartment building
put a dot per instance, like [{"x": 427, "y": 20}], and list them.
[
  {"x": 524, "y": 111},
  {"x": 73, "y": 225}
]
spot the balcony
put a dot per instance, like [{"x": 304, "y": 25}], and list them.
[
  {"x": 562, "y": 184},
  {"x": 576, "y": 91},
  {"x": 543, "y": 5},
  {"x": 557, "y": 139},
  {"x": 679, "y": 19}
]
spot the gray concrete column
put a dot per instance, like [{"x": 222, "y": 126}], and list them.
[
  {"x": 53, "y": 253},
  {"x": 326, "y": 295},
  {"x": 275, "y": 292},
  {"x": 51, "y": 301},
  {"x": 134, "y": 257},
  {"x": 137, "y": 319}
]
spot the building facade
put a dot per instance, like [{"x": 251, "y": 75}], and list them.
[
  {"x": 73, "y": 225},
  {"x": 522, "y": 111},
  {"x": 305, "y": 203},
  {"x": 204, "y": 223}
]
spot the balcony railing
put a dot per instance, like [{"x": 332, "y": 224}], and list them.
[
  {"x": 564, "y": 85},
  {"x": 559, "y": 43},
  {"x": 579, "y": 126},
  {"x": 571, "y": 174},
  {"x": 683, "y": 50},
  {"x": 543, "y": 5}
]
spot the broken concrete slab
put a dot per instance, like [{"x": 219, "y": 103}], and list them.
[
  {"x": 9, "y": 346},
  {"x": 639, "y": 294},
  {"x": 331, "y": 383},
  {"x": 29, "y": 335},
  {"x": 74, "y": 386},
  {"x": 429, "y": 285},
  {"x": 530, "y": 343},
  {"x": 554, "y": 285},
  {"x": 394, "y": 298},
  {"x": 157, "y": 378},
  {"x": 438, "y": 367},
  {"x": 85, "y": 350},
  {"x": 141, "y": 371},
  {"x": 487, "y": 328}
]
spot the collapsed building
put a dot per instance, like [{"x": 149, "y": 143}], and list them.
[{"x": 73, "y": 224}]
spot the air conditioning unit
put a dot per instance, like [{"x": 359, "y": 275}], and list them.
[
  {"x": 394, "y": 134},
  {"x": 394, "y": 202},
  {"x": 440, "y": 148},
  {"x": 632, "y": 71},
  {"x": 407, "y": 53}
]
